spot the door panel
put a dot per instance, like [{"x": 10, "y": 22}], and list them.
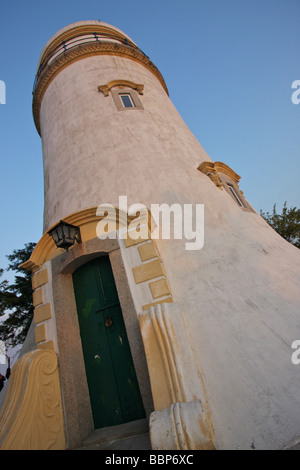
[{"x": 113, "y": 387}]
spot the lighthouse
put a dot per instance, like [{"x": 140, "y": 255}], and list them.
[{"x": 163, "y": 301}]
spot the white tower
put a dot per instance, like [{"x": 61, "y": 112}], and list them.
[{"x": 206, "y": 320}]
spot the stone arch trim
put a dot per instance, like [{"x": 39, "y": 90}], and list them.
[
  {"x": 225, "y": 178},
  {"x": 149, "y": 283},
  {"x": 212, "y": 170},
  {"x": 105, "y": 89},
  {"x": 86, "y": 219}
]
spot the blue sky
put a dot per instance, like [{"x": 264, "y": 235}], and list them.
[{"x": 228, "y": 64}]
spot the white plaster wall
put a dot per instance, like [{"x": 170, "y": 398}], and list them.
[
  {"x": 240, "y": 293},
  {"x": 240, "y": 297},
  {"x": 98, "y": 153}
]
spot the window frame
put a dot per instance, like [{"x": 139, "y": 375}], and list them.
[
  {"x": 234, "y": 192},
  {"x": 225, "y": 178},
  {"x": 134, "y": 97},
  {"x": 132, "y": 104}
]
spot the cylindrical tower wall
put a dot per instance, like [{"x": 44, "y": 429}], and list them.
[{"x": 94, "y": 152}]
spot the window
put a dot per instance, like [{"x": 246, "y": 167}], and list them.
[
  {"x": 225, "y": 178},
  {"x": 125, "y": 94},
  {"x": 127, "y": 100},
  {"x": 235, "y": 194}
]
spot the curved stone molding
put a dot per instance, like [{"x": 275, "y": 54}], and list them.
[
  {"x": 181, "y": 426},
  {"x": 32, "y": 416},
  {"x": 225, "y": 178},
  {"x": 211, "y": 169},
  {"x": 90, "y": 227},
  {"x": 105, "y": 89},
  {"x": 87, "y": 220},
  {"x": 83, "y": 30},
  {"x": 172, "y": 369}
]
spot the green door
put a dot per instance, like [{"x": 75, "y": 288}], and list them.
[{"x": 113, "y": 387}]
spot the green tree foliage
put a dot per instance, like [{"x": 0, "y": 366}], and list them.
[
  {"x": 16, "y": 299},
  {"x": 287, "y": 224}
]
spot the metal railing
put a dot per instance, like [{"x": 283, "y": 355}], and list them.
[{"x": 65, "y": 46}]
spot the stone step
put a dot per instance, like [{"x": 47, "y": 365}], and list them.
[{"x": 128, "y": 436}]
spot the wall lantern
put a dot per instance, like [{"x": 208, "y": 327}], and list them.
[{"x": 65, "y": 235}]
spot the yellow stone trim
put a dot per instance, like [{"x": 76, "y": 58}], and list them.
[
  {"x": 87, "y": 220},
  {"x": 46, "y": 250},
  {"x": 40, "y": 333},
  {"x": 42, "y": 313},
  {"x": 148, "y": 271},
  {"x": 49, "y": 345},
  {"x": 211, "y": 169},
  {"x": 31, "y": 417},
  {"x": 132, "y": 242},
  {"x": 105, "y": 89},
  {"x": 168, "y": 300},
  {"x": 160, "y": 288},
  {"x": 148, "y": 251},
  {"x": 174, "y": 378},
  {"x": 39, "y": 279},
  {"x": 158, "y": 338},
  {"x": 37, "y": 297}
]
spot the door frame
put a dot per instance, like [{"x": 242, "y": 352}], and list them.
[{"x": 75, "y": 394}]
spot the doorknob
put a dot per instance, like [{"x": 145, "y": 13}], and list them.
[{"x": 108, "y": 321}]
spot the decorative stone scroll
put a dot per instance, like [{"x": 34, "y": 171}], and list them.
[
  {"x": 175, "y": 382},
  {"x": 212, "y": 170},
  {"x": 121, "y": 84},
  {"x": 31, "y": 417},
  {"x": 225, "y": 178}
]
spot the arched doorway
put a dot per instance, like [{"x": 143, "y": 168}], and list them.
[{"x": 114, "y": 392}]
